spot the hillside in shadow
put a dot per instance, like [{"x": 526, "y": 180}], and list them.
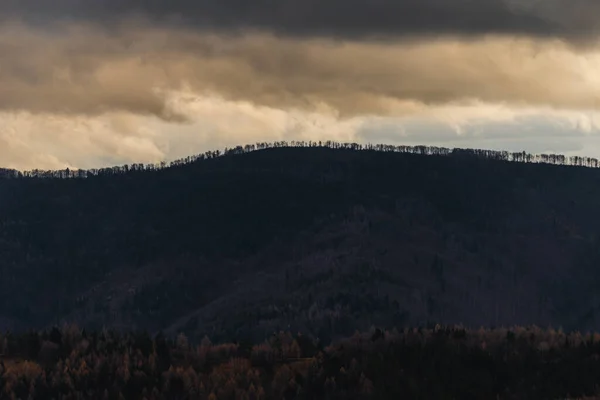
[{"x": 319, "y": 238}]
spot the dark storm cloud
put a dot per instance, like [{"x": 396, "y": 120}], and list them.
[{"x": 574, "y": 19}]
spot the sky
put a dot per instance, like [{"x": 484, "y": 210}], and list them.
[{"x": 87, "y": 84}]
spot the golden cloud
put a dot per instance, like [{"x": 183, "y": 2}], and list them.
[{"x": 82, "y": 69}]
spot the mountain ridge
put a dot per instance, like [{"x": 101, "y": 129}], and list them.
[
  {"x": 519, "y": 156},
  {"x": 324, "y": 240}
]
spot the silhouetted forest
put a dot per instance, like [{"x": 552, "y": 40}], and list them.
[
  {"x": 318, "y": 238},
  {"x": 556, "y": 159},
  {"x": 437, "y": 363}
]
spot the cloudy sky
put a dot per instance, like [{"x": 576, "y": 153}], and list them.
[{"x": 102, "y": 82}]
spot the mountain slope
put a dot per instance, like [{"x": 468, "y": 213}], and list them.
[{"x": 318, "y": 239}]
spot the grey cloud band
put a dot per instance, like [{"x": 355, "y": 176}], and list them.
[{"x": 570, "y": 19}]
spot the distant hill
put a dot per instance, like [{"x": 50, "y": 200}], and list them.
[{"x": 321, "y": 238}]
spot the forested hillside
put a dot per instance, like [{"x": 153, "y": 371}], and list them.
[
  {"x": 318, "y": 238},
  {"x": 439, "y": 363}
]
